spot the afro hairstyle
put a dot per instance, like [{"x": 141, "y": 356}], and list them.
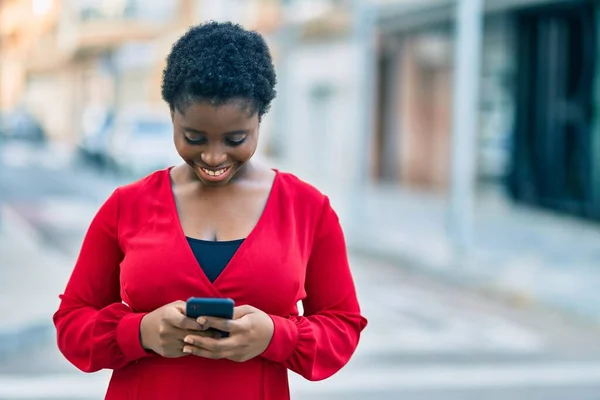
[{"x": 220, "y": 62}]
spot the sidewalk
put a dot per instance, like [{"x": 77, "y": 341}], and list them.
[
  {"x": 528, "y": 256},
  {"x": 31, "y": 278},
  {"x": 531, "y": 257}
]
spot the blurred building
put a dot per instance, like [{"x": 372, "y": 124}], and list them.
[
  {"x": 538, "y": 136},
  {"x": 22, "y": 25},
  {"x": 74, "y": 63},
  {"x": 537, "y": 130},
  {"x": 317, "y": 109},
  {"x": 364, "y": 86}
]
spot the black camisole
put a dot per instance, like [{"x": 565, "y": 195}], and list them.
[{"x": 213, "y": 256}]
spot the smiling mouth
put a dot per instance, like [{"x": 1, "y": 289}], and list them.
[{"x": 215, "y": 173}]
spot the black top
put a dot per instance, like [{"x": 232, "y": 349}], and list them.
[{"x": 213, "y": 257}]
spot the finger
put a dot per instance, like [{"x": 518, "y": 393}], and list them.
[
  {"x": 202, "y": 322},
  {"x": 229, "y": 355},
  {"x": 180, "y": 321},
  {"x": 197, "y": 338},
  {"x": 240, "y": 311},
  {"x": 221, "y": 324},
  {"x": 180, "y": 306},
  {"x": 211, "y": 344},
  {"x": 196, "y": 351},
  {"x": 190, "y": 324},
  {"x": 209, "y": 333}
]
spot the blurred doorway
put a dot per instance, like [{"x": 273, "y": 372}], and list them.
[{"x": 552, "y": 157}]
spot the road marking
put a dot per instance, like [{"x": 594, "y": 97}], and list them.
[
  {"x": 18, "y": 155},
  {"x": 411, "y": 321},
  {"x": 67, "y": 386},
  {"x": 447, "y": 377},
  {"x": 15, "y": 158},
  {"x": 68, "y": 213},
  {"x": 417, "y": 341},
  {"x": 439, "y": 377}
]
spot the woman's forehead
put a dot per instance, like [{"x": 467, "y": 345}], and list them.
[{"x": 204, "y": 116}]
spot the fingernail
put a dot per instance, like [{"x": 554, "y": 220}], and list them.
[
  {"x": 188, "y": 340},
  {"x": 187, "y": 350},
  {"x": 201, "y": 321}
]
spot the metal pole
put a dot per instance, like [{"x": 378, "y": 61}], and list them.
[
  {"x": 2, "y": 127},
  {"x": 465, "y": 120},
  {"x": 287, "y": 42},
  {"x": 365, "y": 19}
]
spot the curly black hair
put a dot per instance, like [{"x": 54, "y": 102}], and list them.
[{"x": 220, "y": 62}]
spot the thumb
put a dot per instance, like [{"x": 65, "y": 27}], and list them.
[
  {"x": 241, "y": 311},
  {"x": 180, "y": 305}
]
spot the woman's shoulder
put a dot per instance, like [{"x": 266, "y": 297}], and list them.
[
  {"x": 147, "y": 185},
  {"x": 299, "y": 189}
]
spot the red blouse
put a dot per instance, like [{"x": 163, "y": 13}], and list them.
[{"x": 135, "y": 259}]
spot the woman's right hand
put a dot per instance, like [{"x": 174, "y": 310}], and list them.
[{"x": 164, "y": 329}]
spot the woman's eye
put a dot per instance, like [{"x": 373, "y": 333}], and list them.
[
  {"x": 194, "y": 139},
  {"x": 236, "y": 142}
]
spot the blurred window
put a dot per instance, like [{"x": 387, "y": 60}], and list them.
[
  {"x": 152, "y": 11},
  {"x": 151, "y": 128}
]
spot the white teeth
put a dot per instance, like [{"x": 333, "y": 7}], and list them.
[{"x": 214, "y": 173}]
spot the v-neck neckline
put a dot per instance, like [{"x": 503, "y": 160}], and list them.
[{"x": 182, "y": 238}]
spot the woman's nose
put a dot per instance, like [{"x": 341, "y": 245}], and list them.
[{"x": 214, "y": 158}]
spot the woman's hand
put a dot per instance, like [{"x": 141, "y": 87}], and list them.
[
  {"x": 164, "y": 329},
  {"x": 250, "y": 332}
]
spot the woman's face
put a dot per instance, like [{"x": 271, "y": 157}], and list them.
[{"x": 215, "y": 141}]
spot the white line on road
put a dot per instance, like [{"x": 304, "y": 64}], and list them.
[
  {"x": 447, "y": 377},
  {"x": 440, "y": 377},
  {"x": 67, "y": 386},
  {"x": 418, "y": 322},
  {"x": 52, "y": 157}
]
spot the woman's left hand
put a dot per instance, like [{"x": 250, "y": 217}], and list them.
[{"x": 250, "y": 332}]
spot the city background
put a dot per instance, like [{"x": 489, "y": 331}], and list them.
[{"x": 459, "y": 142}]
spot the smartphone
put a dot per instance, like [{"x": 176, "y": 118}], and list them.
[{"x": 210, "y": 307}]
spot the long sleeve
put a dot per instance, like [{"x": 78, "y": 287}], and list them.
[
  {"x": 95, "y": 329},
  {"x": 321, "y": 342}
]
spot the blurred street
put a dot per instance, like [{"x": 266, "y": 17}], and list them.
[
  {"x": 426, "y": 340},
  {"x": 458, "y": 141}
]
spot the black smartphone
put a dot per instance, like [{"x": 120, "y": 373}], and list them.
[{"x": 210, "y": 307}]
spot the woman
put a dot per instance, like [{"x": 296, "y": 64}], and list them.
[{"x": 219, "y": 225}]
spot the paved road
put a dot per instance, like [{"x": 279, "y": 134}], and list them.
[{"x": 425, "y": 340}]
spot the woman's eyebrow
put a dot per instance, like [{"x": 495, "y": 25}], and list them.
[
  {"x": 187, "y": 128},
  {"x": 238, "y": 132}
]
